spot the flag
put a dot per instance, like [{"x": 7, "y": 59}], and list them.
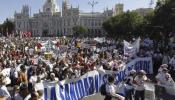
[{"x": 26, "y": 34}]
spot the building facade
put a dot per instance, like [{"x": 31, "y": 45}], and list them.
[
  {"x": 51, "y": 21},
  {"x": 144, "y": 11}
]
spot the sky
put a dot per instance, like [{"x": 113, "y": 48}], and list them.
[{"x": 8, "y": 7}]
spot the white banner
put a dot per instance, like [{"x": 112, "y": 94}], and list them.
[
  {"x": 131, "y": 49},
  {"x": 90, "y": 83}
]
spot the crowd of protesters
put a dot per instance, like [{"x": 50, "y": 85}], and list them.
[{"x": 29, "y": 67}]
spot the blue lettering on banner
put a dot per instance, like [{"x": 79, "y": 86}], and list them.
[
  {"x": 77, "y": 92},
  {"x": 61, "y": 92},
  {"x": 86, "y": 85},
  {"x": 53, "y": 93},
  {"x": 81, "y": 88},
  {"x": 105, "y": 77},
  {"x": 140, "y": 65},
  {"x": 129, "y": 69},
  {"x": 90, "y": 85},
  {"x": 72, "y": 91},
  {"x": 146, "y": 66},
  {"x": 137, "y": 66},
  {"x": 97, "y": 83},
  {"x": 91, "y": 82},
  {"x": 67, "y": 92},
  {"x": 45, "y": 93}
]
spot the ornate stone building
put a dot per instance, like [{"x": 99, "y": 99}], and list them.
[{"x": 52, "y": 21}]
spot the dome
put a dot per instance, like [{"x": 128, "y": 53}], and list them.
[{"x": 50, "y": 6}]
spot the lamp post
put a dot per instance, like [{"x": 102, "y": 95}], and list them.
[{"x": 92, "y": 4}]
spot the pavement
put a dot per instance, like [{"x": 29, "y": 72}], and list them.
[{"x": 98, "y": 96}]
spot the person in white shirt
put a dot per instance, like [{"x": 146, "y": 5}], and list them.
[
  {"x": 53, "y": 78},
  {"x": 160, "y": 78},
  {"x": 165, "y": 59},
  {"x": 172, "y": 62},
  {"x": 129, "y": 85},
  {"x": 3, "y": 88},
  {"x": 169, "y": 80},
  {"x": 139, "y": 82},
  {"x": 111, "y": 90},
  {"x": 162, "y": 67},
  {"x": 23, "y": 92},
  {"x": 33, "y": 78},
  {"x": 163, "y": 79}
]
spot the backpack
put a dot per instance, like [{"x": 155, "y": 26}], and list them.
[{"x": 103, "y": 89}]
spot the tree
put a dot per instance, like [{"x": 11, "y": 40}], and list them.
[
  {"x": 45, "y": 33},
  {"x": 7, "y": 26},
  {"x": 165, "y": 16},
  {"x": 122, "y": 25},
  {"x": 79, "y": 30}
]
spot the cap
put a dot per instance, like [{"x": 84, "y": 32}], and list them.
[
  {"x": 164, "y": 65},
  {"x": 52, "y": 74},
  {"x": 132, "y": 71},
  {"x": 164, "y": 69},
  {"x": 142, "y": 72}
]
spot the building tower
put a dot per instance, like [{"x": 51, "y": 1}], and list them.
[
  {"x": 118, "y": 9},
  {"x": 50, "y": 6},
  {"x": 25, "y": 11},
  {"x": 65, "y": 7}
]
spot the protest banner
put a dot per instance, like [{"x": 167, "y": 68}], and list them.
[
  {"x": 90, "y": 83},
  {"x": 131, "y": 49}
]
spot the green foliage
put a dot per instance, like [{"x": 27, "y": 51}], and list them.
[
  {"x": 165, "y": 15},
  {"x": 7, "y": 26},
  {"x": 79, "y": 30},
  {"x": 156, "y": 24},
  {"x": 123, "y": 25}
]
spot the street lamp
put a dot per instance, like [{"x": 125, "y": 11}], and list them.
[{"x": 92, "y": 4}]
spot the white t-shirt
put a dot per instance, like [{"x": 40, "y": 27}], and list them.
[
  {"x": 39, "y": 86},
  {"x": 18, "y": 97},
  {"x": 4, "y": 92},
  {"x": 128, "y": 86},
  {"x": 140, "y": 81},
  {"x": 33, "y": 79},
  {"x": 31, "y": 51},
  {"x": 161, "y": 78},
  {"x": 110, "y": 88}
]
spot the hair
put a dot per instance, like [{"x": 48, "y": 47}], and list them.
[
  {"x": 110, "y": 79},
  {"x": 22, "y": 67}
]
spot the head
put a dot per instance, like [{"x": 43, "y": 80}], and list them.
[
  {"x": 52, "y": 76},
  {"x": 23, "y": 68},
  {"x": 164, "y": 66},
  {"x": 132, "y": 72},
  {"x": 111, "y": 79},
  {"x": 141, "y": 73},
  {"x": 40, "y": 93},
  {"x": 164, "y": 70},
  {"x": 2, "y": 78},
  {"x": 34, "y": 96},
  {"x": 23, "y": 89}
]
